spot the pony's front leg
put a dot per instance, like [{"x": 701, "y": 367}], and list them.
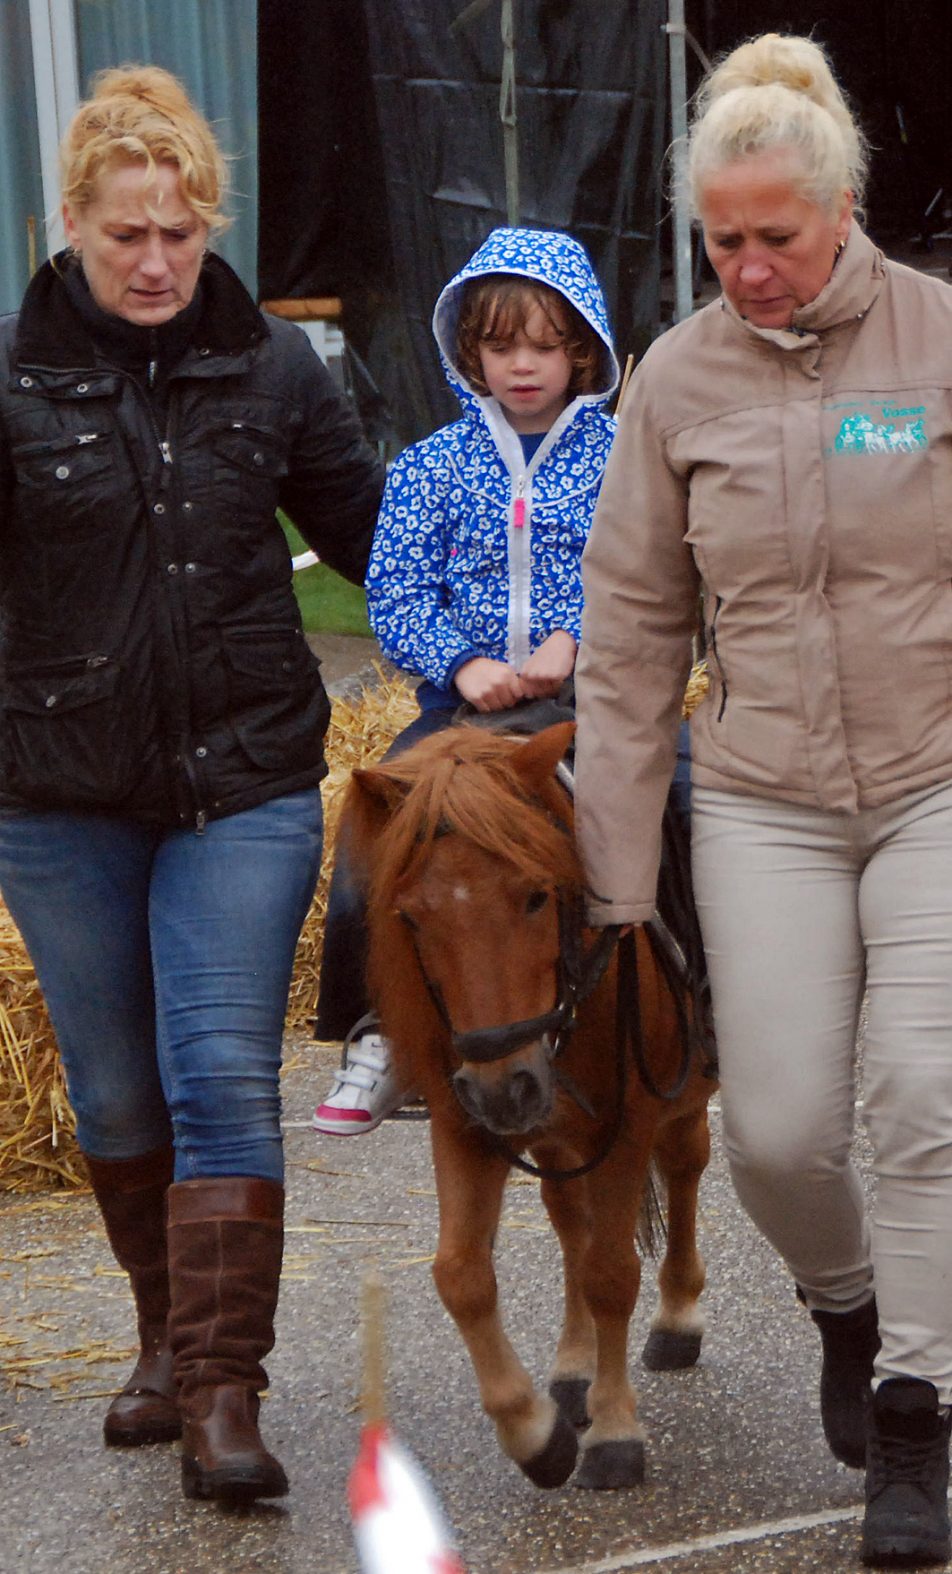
[
  {"x": 566, "y": 1203},
  {"x": 682, "y": 1150},
  {"x": 613, "y": 1452},
  {"x": 530, "y": 1426}
]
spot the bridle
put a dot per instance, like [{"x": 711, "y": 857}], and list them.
[{"x": 579, "y": 972}]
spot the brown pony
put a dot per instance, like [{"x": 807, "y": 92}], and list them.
[{"x": 466, "y": 845}]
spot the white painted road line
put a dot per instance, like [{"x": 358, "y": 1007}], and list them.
[{"x": 727, "y": 1538}]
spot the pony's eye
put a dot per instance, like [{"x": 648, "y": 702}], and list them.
[
  {"x": 405, "y": 918},
  {"x": 536, "y": 900}
]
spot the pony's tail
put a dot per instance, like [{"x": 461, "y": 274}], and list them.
[{"x": 652, "y": 1231}]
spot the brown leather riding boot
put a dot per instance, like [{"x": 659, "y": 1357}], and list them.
[
  {"x": 131, "y": 1194},
  {"x": 226, "y": 1237}
]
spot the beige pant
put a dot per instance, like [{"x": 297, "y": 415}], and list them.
[{"x": 801, "y": 911}]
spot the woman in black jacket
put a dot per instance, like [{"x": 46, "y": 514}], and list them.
[{"x": 161, "y": 737}]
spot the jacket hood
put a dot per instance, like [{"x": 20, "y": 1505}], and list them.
[{"x": 544, "y": 255}]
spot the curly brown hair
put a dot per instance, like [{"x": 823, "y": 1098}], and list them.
[{"x": 497, "y": 305}]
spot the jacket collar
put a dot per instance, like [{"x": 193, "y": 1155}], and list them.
[
  {"x": 847, "y": 295},
  {"x": 53, "y": 336}
]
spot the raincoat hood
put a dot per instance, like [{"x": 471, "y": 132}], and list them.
[{"x": 548, "y": 257}]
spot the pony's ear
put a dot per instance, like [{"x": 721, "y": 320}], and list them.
[
  {"x": 381, "y": 790},
  {"x": 369, "y": 803},
  {"x": 536, "y": 759}
]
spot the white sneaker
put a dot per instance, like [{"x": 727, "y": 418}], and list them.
[{"x": 365, "y": 1090}]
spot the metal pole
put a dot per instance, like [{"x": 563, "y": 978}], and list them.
[
  {"x": 683, "y": 264},
  {"x": 507, "y": 113},
  {"x": 56, "y": 83}
]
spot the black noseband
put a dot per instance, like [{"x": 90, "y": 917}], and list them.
[
  {"x": 579, "y": 974},
  {"x": 495, "y": 1043}
]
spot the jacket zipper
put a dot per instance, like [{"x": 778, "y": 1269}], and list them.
[
  {"x": 518, "y": 573},
  {"x": 165, "y": 481},
  {"x": 719, "y": 602},
  {"x": 164, "y": 445}
]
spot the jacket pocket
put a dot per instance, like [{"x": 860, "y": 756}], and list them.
[
  {"x": 255, "y": 450},
  {"x": 247, "y": 464},
  {"x": 64, "y": 742},
  {"x": 70, "y": 479},
  {"x": 278, "y": 710}
]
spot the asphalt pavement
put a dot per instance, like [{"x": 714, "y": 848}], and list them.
[{"x": 738, "y": 1474}]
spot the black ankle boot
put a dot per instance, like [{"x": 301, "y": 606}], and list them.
[
  {"x": 850, "y": 1343},
  {"x": 907, "y": 1476}
]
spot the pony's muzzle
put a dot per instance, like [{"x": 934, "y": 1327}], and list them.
[{"x": 508, "y": 1100}]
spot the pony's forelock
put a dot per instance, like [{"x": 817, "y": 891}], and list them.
[{"x": 465, "y": 783}]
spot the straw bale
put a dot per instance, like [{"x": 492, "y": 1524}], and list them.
[{"x": 37, "y": 1128}]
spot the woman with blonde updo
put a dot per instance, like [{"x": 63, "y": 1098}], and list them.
[
  {"x": 161, "y": 719},
  {"x": 786, "y": 455}
]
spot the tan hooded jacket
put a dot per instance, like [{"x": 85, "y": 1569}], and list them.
[{"x": 802, "y": 479}]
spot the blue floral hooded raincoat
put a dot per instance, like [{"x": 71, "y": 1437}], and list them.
[{"x": 452, "y": 574}]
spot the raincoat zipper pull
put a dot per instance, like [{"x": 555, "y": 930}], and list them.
[{"x": 519, "y": 506}]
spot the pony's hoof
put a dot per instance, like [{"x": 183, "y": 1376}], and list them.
[
  {"x": 665, "y": 1351},
  {"x": 607, "y": 1466},
  {"x": 553, "y": 1466},
  {"x": 571, "y": 1394}
]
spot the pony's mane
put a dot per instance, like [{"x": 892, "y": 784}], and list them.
[{"x": 464, "y": 782}]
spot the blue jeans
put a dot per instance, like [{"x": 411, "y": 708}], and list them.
[{"x": 165, "y": 959}]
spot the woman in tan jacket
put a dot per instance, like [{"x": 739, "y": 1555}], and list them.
[{"x": 784, "y": 459}]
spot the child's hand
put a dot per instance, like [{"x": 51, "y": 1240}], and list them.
[
  {"x": 549, "y": 666},
  {"x": 489, "y": 685}
]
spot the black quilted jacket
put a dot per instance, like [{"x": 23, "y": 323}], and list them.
[{"x": 153, "y": 661}]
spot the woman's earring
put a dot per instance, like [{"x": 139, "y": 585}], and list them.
[{"x": 838, "y": 250}]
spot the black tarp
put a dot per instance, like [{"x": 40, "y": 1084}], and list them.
[
  {"x": 894, "y": 59},
  {"x": 381, "y": 151},
  {"x": 386, "y": 170},
  {"x": 591, "y": 127},
  {"x": 322, "y": 206}
]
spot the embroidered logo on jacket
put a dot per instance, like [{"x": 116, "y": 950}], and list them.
[{"x": 859, "y": 434}]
